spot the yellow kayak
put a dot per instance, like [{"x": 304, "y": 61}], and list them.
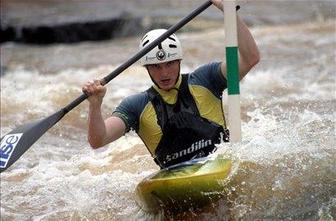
[{"x": 192, "y": 184}]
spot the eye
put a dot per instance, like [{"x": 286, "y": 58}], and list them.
[
  {"x": 156, "y": 66},
  {"x": 169, "y": 63}
]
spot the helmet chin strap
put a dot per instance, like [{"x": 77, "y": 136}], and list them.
[
  {"x": 152, "y": 78},
  {"x": 157, "y": 84}
]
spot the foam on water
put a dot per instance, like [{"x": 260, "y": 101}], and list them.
[{"x": 286, "y": 162}]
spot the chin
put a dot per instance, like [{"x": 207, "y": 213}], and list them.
[{"x": 166, "y": 88}]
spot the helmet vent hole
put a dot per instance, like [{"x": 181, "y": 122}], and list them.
[
  {"x": 172, "y": 46},
  {"x": 171, "y": 38},
  {"x": 146, "y": 42}
]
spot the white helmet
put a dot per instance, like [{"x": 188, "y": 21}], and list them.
[{"x": 168, "y": 50}]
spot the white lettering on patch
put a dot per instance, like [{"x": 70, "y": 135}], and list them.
[{"x": 7, "y": 147}]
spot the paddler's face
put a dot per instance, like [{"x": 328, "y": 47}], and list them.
[{"x": 165, "y": 74}]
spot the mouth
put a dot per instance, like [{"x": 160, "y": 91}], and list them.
[{"x": 165, "y": 81}]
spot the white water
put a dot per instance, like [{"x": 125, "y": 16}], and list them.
[{"x": 286, "y": 170}]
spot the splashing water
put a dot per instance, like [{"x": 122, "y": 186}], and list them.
[{"x": 285, "y": 165}]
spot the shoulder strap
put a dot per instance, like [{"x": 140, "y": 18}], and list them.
[
  {"x": 158, "y": 104},
  {"x": 185, "y": 98}
]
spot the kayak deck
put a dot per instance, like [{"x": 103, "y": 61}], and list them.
[{"x": 182, "y": 187}]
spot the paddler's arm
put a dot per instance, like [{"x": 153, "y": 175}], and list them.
[
  {"x": 100, "y": 131},
  {"x": 248, "y": 50}
]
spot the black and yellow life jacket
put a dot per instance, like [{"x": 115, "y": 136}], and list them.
[{"x": 186, "y": 134}]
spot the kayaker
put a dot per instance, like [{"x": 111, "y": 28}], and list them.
[{"x": 181, "y": 116}]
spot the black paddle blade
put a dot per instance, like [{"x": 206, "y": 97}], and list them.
[{"x": 15, "y": 143}]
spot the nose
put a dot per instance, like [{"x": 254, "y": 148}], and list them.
[{"x": 165, "y": 70}]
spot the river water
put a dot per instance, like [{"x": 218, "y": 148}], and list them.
[{"x": 285, "y": 165}]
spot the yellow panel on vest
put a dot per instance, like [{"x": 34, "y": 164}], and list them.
[
  {"x": 209, "y": 106},
  {"x": 149, "y": 131}
]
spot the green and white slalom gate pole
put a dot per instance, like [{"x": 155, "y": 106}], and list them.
[{"x": 232, "y": 69}]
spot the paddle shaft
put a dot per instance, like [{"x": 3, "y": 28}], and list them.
[{"x": 141, "y": 53}]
